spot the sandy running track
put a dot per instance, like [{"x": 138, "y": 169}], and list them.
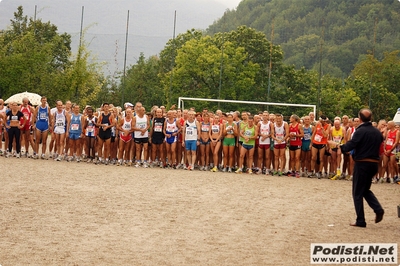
[{"x": 59, "y": 213}]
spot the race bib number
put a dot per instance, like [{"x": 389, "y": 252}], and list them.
[
  {"x": 142, "y": 125},
  {"x": 90, "y": 129},
  {"x": 75, "y": 127},
  {"x": 42, "y": 116},
  {"x": 389, "y": 142},
  {"x": 215, "y": 129},
  {"x": 337, "y": 139},
  {"x": 157, "y": 128},
  {"x": 293, "y": 137},
  {"x": 307, "y": 136},
  {"x": 318, "y": 138},
  {"x": 279, "y": 136},
  {"x": 205, "y": 128},
  {"x": 248, "y": 133},
  {"x": 189, "y": 131},
  {"x": 60, "y": 123}
]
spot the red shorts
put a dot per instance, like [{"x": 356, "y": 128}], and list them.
[
  {"x": 264, "y": 146},
  {"x": 280, "y": 146},
  {"x": 381, "y": 149},
  {"x": 125, "y": 138}
]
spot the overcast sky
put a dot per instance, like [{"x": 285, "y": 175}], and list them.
[{"x": 229, "y": 3}]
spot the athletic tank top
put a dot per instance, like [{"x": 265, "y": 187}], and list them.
[
  {"x": 337, "y": 135},
  {"x": 265, "y": 129},
  {"x": 75, "y": 126},
  {"x": 215, "y": 129},
  {"x": 141, "y": 123},
  {"x": 294, "y": 141},
  {"x": 229, "y": 128},
  {"x": 91, "y": 126},
  {"x": 242, "y": 125},
  {"x": 158, "y": 128},
  {"x": 43, "y": 114},
  {"x": 27, "y": 113},
  {"x": 105, "y": 120},
  {"x": 249, "y": 132},
  {"x": 127, "y": 125},
  {"x": 319, "y": 137},
  {"x": 60, "y": 120},
  {"x": 307, "y": 134},
  {"x": 390, "y": 139},
  {"x": 280, "y": 132},
  {"x": 205, "y": 127},
  {"x": 171, "y": 127},
  {"x": 191, "y": 130}
]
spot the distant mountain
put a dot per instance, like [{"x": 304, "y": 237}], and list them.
[
  {"x": 335, "y": 33},
  {"x": 151, "y": 23}
]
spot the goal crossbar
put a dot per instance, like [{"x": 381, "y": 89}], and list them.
[{"x": 181, "y": 102}]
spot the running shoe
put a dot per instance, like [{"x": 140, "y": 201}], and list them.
[
  {"x": 106, "y": 162},
  {"x": 190, "y": 168},
  {"x": 137, "y": 164},
  {"x": 214, "y": 169},
  {"x": 238, "y": 171},
  {"x": 43, "y": 157},
  {"x": 279, "y": 173},
  {"x": 145, "y": 165},
  {"x": 318, "y": 175},
  {"x": 89, "y": 160},
  {"x": 229, "y": 170},
  {"x": 59, "y": 158},
  {"x": 249, "y": 171},
  {"x": 335, "y": 177},
  {"x": 297, "y": 175},
  {"x": 18, "y": 155},
  {"x": 1, "y": 153},
  {"x": 225, "y": 170}
]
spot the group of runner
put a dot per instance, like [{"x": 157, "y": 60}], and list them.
[{"x": 215, "y": 141}]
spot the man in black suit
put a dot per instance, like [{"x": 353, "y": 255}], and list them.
[{"x": 364, "y": 147}]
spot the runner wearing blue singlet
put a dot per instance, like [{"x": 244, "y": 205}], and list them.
[
  {"x": 75, "y": 133},
  {"x": 306, "y": 147},
  {"x": 40, "y": 123}
]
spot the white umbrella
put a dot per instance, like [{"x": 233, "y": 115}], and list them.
[{"x": 33, "y": 98}]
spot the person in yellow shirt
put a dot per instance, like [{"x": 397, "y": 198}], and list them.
[{"x": 337, "y": 135}]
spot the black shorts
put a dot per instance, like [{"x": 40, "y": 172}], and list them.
[
  {"x": 112, "y": 138},
  {"x": 105, "y": 135},
  {"x": 157, "y": 141},
  {"x": 318, "y": 146},
  {"x": 294, "y": 148},
  {"x": 141, "y": 140}
]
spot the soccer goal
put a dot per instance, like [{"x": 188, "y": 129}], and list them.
[{"x": 181, "y": 103}]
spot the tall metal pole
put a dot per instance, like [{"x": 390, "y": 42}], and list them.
[
  {"x": 320, "y": 71},
  {"x": 34, "y": 21},
  {"x": 220, "y": 70},
  {"x": 373, "y": 56},
  {"x": 79, "y": 56},
  {"x": 270, "y": 65},
  {"x": 172, "y": 62},
  {"x": 126, "y": 52}
]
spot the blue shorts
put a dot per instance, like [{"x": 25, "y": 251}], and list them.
[
  {"x": 171, "y": 139},
  {"x": 191, "y": 145},
  {"x": 248, "y": 147},
  {"x": 74, "y": 136},
  {"x": 42, "y": 126},
  {"x": 305, "y": 145}
]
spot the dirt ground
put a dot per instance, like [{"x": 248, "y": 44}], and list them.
[{"x": 59, "y": 213}]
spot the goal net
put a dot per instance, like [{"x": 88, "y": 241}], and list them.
[{"x": 181, "y": 103}]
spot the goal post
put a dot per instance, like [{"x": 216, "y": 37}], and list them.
[{"x": 181, "y": 103}]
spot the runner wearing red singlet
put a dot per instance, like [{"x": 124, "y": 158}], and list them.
[
  {"x": 319, "y": 139},
  {"x": 27, "y": 111},
  {"x": 389, "y": 158},
  {"x": 295, "y": 134}
]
